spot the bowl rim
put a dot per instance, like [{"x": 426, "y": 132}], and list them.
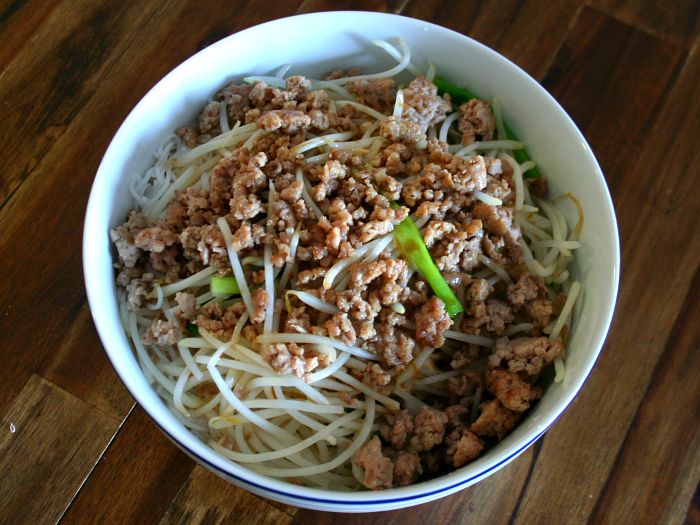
[{"x": 430, "y": 489}]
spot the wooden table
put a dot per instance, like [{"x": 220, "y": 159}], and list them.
[{"x": 74, "y": 448}]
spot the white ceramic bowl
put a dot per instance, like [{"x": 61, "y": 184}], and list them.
[{"x": 342, "y": 39}]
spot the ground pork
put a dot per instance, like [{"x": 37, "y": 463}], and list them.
[
  {"x": 496, "y": 219},
  {"x": 494, "y": 420},
  {"x": 219, "y": 321},
  {"x": 407, "y": 468},
  {"x": 513, "y": 393},
  {"x": 259, "y": 298},
  {"x": 476, "y": 121},
  {"x": 287, "y": 121},
  {"x": 541, "y": 311},
  {"x": 161, "y": 333},
  {"x": 154, "y": 239},
  {"x": 428, "y": 429},
  {"x": 431, "y": 322},
  {"x": 401, "y": 130},
  {"x": 209, "y": 122},
  {"x": 342, "y": 73},
  {"x": 187, "y": 304},
  {"x": 378, "y": 469},
  {"x": 377, "y": 93},
  {"x": 458, "y": 247},
  {"x": 288, "y": 358},
  {"x": 123, "y": 238},
  {"x": 207, "y": 244},
  {"x": 138, "y": 289},
  {"x": 390, "y": 269},
  {"x": 374, "y": 375},
  {"x": 423, "y": 105},
  {"x": 236, "y": 99},
  {"x": 527, "y": 288},
  {"x": 298, "y": 320},
  {"x": 525, "y": 354},
  {"x": 397, "y": 429},
  {"x": 340, "y": 327},
  {"x": 456, "y": 415},
  {"x": 463, "y": 447}
]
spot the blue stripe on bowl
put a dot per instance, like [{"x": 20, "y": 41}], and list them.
[{"x": 339, "y": 502}]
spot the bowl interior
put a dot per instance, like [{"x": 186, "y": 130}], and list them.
[{"x": 332, "y": 41}]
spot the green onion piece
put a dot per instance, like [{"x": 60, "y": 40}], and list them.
[
  {"x": 410, "y": 242},
  {"x": 192, "y": 329},
  {"x": 224, "y": 286},
  {"x": 460, "y": 96}
]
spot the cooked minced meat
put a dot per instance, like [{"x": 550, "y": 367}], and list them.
[{"x": 305, "y": 217}]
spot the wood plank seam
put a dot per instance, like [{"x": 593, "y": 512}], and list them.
[
  {"x": 92, "y": 470},
  {"x": 589, "y": 4},
  {"x": 523, "y": 489},
  {"x": 69, "y": 393},
  {"x": 39, "y": 462},
  {"x": 681, "y": 319}
]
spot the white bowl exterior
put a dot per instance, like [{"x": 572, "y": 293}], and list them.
[{"x": 342, "y": 39}]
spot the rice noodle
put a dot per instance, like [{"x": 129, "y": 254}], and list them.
[
  {"x": 566, "y": 310},
  {"x": 267, "y": 260},
  {"x": 398, "y": 104},
  {"x": 403, "y": 63},
  {"x": 289, "y": 267},
  {"x": 366, "y": 109},
  {"x": 236, "y": 265},
  {"x": 430, "y": 73},
  {"x": 306, "y": 196},
  {"x": 225, "y": 140},
  {"x": 464, "y": 151},
  {"x": 445, "y": 126},
  {"x": 491, "y": 265},
  {"x": 320, "y": 141},
  {"x": 471, "y": 339},
  {"x": 487, "y": 199},
  {"x": 313, "y": 301},
  {"x": 396, "y": 55}
]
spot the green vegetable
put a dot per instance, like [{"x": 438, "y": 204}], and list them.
[
  {"x": 192, "y": 329},
  {"x": 460, "y": 96},
  {"x": 224, "y": 286},
  {"x": 415, "y": 251}
]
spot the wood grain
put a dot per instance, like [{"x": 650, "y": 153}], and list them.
[
  {"x": 391, "y": 6},
  {"x": 668, "y": 440},
  {"x": 527, "y": 32},
  {"x": 677, "y": 22},
  {"x": 18, "y": 21},
  {"x": 626, "y": 451},
  {"x": 66, "y": 62},
  {"x": 206, "y": 498},
  {"x": 612, "y": 78},
  {"x": 49, "y": 442},
  {"x": 136, "y": 479},
  {"x": 660, "y": 462}
]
